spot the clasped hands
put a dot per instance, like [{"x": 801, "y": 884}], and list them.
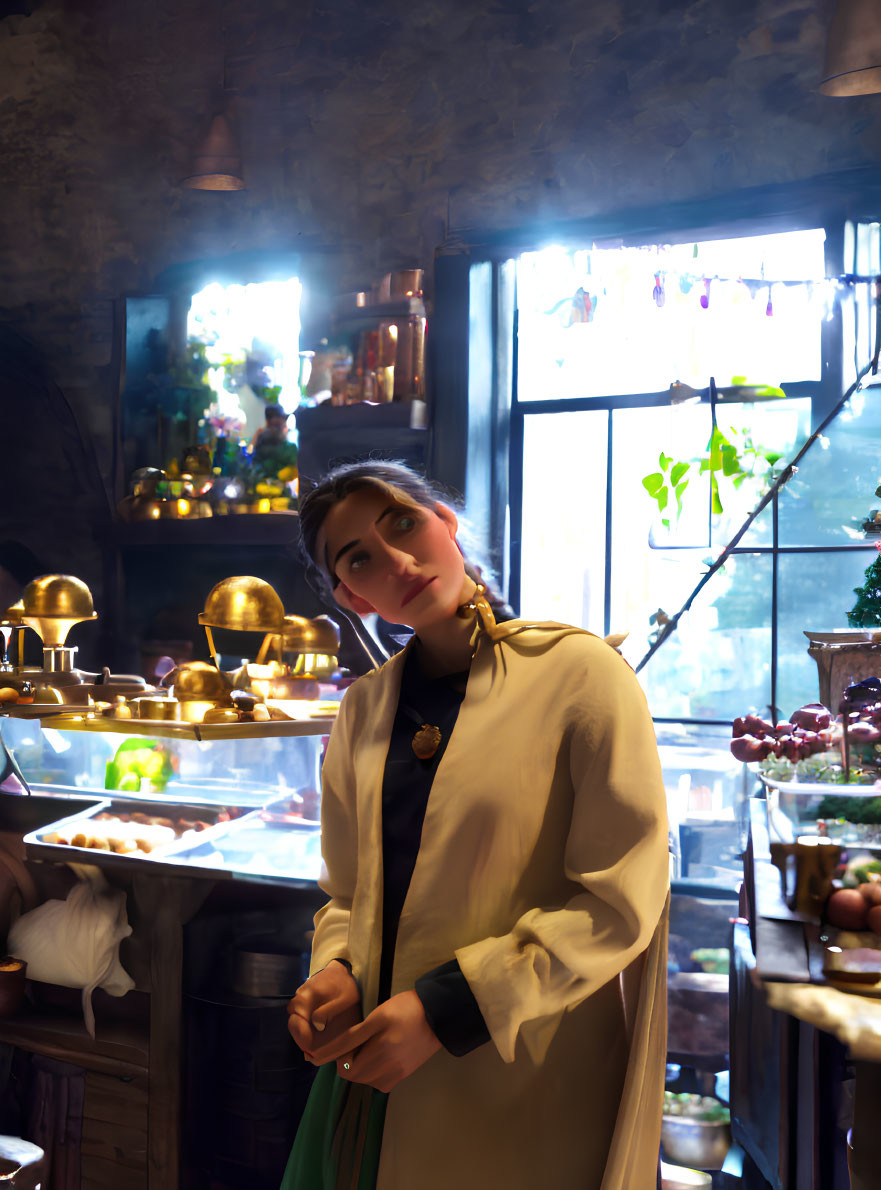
[{"x": 324, "y": 1019}]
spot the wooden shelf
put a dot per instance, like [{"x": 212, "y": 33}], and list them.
[
  {"x": 120, "y": 1049},
  {"x": 362, "y": 415},
  {"x": 254, "y": 529},
  {"x": 350, "y": 317}
]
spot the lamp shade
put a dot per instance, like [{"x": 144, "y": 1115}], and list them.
[
  {"x": 217, "y": 165},
  {"x": 853, "y": 49}
]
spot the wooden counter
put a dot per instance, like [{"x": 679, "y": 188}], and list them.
[
  {"x": 160, "y": 902},
  {"x": 789, "y": 965}
]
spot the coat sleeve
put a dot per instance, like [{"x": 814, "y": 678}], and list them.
[
  {"x": 616, "y": 859},
  {"x": 338, "y": 845}
]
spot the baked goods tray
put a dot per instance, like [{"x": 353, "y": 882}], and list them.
[
  {"x": 256, "y": 848},
  {"x": 105, "y": 832}
]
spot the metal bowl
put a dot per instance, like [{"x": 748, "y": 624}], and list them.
[
  {"x": 261, "y": 968},
  {"x": 243, "y": 603},
  {"x": 696, "y": 1143}
]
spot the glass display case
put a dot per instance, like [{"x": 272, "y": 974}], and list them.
[
  {"x": 708, "y": 795},
  {"x": 236, "y": 801},
  {"x": 848, "y": 814}
]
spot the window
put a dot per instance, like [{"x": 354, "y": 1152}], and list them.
[
  {"x": 612, "y": 329},
  {"x": 599, "y": 337},
  {"x": 250, "y": 337}
]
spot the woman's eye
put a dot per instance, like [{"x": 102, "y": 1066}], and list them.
[
  {"x": 405, "y": 522},
  {"x": 358, "y": 561}
]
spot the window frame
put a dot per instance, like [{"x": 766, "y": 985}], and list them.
[{"x": 493, "y": 400}]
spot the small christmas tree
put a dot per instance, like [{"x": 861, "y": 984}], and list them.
[{"x": 867, "y": 609}]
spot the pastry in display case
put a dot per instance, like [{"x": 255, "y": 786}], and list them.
[{"x": 231, "y": 805}]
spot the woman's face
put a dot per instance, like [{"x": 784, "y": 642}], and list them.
[{"x": 399, "y": 561}]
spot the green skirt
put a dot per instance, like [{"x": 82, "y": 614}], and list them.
[{"x": 339, "y": 1138}]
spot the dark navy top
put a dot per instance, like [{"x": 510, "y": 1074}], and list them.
[{"x": 450, "y": 1007}]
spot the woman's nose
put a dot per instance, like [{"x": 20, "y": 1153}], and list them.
[{"x": 399, "y": 561}]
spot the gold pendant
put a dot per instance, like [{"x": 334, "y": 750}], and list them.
[{"x": 426, "y": 741}]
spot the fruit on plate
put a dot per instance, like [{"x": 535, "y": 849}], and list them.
[
  {"x": 874, "y": 919},
  {"x": 848, "y": 909},
  {"x": 806, "y": 732},
  {"x": 871, "y": 892},
  {"x": 813, "y": 717}
]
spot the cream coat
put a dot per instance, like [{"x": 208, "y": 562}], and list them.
[{"x": 543, "y": 868}]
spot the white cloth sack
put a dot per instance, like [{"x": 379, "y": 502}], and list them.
[{"x": 75, "y": 942}]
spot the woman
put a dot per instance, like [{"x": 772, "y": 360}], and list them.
[{"x": 487, "y": 997}]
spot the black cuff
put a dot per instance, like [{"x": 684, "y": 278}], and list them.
[{"x": 451, "y": 1010}]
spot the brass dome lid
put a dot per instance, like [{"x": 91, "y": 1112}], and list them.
[
  {"x": 58, "y": 595},
  {"x": 244, "y": 603},
  {"x": 320, "y": 635},
  {"x": 198, "y": 680},
  {"x": 52, "y": 604},
  {"x": 12, "y": 615}
]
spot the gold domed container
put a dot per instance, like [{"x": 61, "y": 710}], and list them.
[
  {"x": 198, "y": 687},
  {"x": 52, "y": 604},
  {"x": 198, "y": 680},
  {"x": 320, "y": 635},
  {"x": 245, "y": 604},
  {"x": 242, "y": 603},
  {"x": 316, "y": 641}
]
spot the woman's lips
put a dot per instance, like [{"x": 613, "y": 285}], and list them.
[{"x": 416, "y": 589}]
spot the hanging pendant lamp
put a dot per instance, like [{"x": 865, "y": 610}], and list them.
[
  {"x": 217, "y": 164},
  {"x": 853, "y": 49}
]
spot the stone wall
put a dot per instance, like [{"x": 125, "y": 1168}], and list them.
[{"x": 372, "y": 132}]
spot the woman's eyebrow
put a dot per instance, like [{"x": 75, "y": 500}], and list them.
[{"x": 350, "y": 545}]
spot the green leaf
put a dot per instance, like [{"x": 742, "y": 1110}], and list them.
[
  {"x": 677, "y": 473},
  {"x": 716, "y": 502},
  {"x": 738, "y": 479},
  {"x": 653, "y": 483},
  {"x": 663, "y": 497},
  {"x": 680, "y": 488},
  {"x": 665, "y": 523},
  {"x": 730, "y": 462},
  {"x": 773, "y": 457},
  {"x": 664, "y": 461}
]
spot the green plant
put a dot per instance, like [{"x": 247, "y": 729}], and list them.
[
  {"x": 670, "y": 478},
  {"x": 726, "y": 460},
  {"x": 267, "y": 392},
  {"x": 866, "y": 612},
  {"x": 191, "y": 370}
]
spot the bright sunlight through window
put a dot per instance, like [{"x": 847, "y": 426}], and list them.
[{"x": 250, "y": 335}]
